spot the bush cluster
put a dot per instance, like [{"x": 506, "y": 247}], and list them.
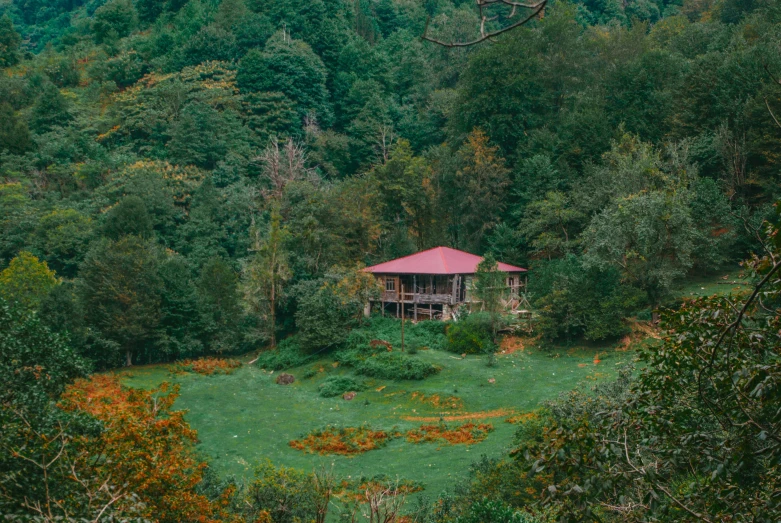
[
  {"x": 428, "y": 334},
  {"x": 394, "y": 366},
  {"x": 471, "y": 336},
  {"x": 288, "y": 354},
  {"x": 338, "y": 385}
]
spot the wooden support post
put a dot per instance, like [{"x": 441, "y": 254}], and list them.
[
  {"x": 456, "y": 288},
  {"x": 402, "y": 318},
  {"x": 414, "y": 297},
  {"x": 430, "y": 311}
]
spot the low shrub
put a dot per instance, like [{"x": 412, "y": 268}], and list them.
[
  {"x": 495, "y": 511},
  {"x": 394, "y": 366},
  {"x": 337, "y": 385},
  {"x": 287, "y": 354},
  {"x": 206, "y": 366},
  {"x": 471, "y": 335},
  {"x": 424, "y": 334},
  {"x": 466, "y": 434},
  {"x": 344, "y": 441}
]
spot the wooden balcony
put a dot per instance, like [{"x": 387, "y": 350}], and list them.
[{"x": 419, "y": 298}]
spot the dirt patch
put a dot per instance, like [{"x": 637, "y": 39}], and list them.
[
  {"x": 435, "y": 400},
  {"x": 349, "y": 395},
  {"x": 510, "y": 344},
  {"x": 206, "y": 366},
  {"x": 466, "y": 434},
  {"x": 344, "y": 441},
  {"x": 498, "y": 413},
  {"x": 285, "y": 379}
]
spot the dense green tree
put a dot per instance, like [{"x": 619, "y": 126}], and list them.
[
  {"x": 406, "y": 183},
  {"x": 265, "y": 277},
  {"x": 14, "y": 134},
  {"x": 26, "y": 281},
  {"x": 212, "y": 42},
  {"x": 50, "y": 110},
  {"x": 574, "y": 301},
  {"x": 10, "y": 41},
  {"x": 121, "y": 289},
  {"x": 165, "y": 191},
  {"x": 288, "y": 66},
  {"x": 36, "y": 366},
  {"x": 203, "y": 136},
  {"x": 482, "y": 182},
  {"x": 490, "y": 288},
  {"x": 180, "y": 328},
  {"x": 648, "y": 237},
  {"x": 62, "y": 236},
  {"x": 550, "y": 225},
  {"x": 128, "y": 217},
  {"x": 113, "y": 20},
  {"x": 220, "y": 305}
]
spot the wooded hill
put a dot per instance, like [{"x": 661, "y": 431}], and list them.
[{"x": 193, "y": 171}]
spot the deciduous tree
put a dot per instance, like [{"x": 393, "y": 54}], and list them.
[{"x": 26, "y": 281}]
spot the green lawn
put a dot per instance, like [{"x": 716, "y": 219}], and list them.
[
  {"x": 246, "y": 417},
  {"x": 725, "y": 281}
]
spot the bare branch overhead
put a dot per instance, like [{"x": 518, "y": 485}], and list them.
[{"x": 482, "y": 6}]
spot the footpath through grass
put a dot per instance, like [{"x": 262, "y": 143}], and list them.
[{"x": 246, "y": 417}]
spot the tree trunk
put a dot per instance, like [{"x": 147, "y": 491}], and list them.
[{"x": 128, "y": 358}]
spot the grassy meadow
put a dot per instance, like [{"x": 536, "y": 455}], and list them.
[{"x": 246, "y": 417}]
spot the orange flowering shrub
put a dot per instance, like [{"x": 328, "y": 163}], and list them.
[
  {"x": 435, "y": 400},
  {"x": 466, "y": 434},
  {"x": 345, "y": 441},
  {"x": 146, "y": 447},
  {"x": 206, "y": 366}
]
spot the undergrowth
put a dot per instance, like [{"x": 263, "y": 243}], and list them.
[
  {"x": 374, "y": 350},
  {"x": 471, "y": 335},
  {"x": 287, "y": 354},
  {"x": 437, "y": 401},
  {"x": 417, "y": 336},
  {"x": 337, "y": 385},
  {"x": 388, "y": 365},
  {"x": 345, "y": 441},
  {"x": 466, "y": 434},
  {"x": 206, "y": 366}
]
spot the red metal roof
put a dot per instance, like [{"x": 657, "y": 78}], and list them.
[{"x": 439, "y": 260}]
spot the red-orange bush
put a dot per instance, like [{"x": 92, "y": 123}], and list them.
[
  {"x": 345, "y": 441},
  {"x": 145, "y": 446},
  {"x": 206, "y": 366},
  {"x": 467, "y": 434}
]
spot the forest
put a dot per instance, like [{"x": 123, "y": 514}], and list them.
[{"x": 188, "y": 179}]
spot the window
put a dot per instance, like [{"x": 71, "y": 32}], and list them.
[
  {"x": 511, "y": 281},
  {"x": 390, "y": 284}
]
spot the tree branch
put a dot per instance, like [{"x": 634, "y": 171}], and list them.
[{"x": 487, "y": 36}]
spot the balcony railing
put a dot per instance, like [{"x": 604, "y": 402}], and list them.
[{"x": 420, "y": 298}]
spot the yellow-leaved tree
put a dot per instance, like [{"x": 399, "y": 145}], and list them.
[{"x": 27, "y": 281}]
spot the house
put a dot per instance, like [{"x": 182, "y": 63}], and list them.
[{"x": 436, "y": 282}]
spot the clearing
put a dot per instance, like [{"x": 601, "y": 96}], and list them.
[{"x": 245, "y": 417}]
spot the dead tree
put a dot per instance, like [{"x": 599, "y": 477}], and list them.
[
  {"x": 282, "y": 165},
  {"x": 503, "y": 11}
]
